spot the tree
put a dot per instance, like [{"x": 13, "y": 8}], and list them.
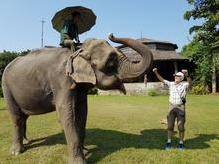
[
  {"x": 5, "y": 58},
  {"x": 196, "y": 52},
  {"x": 206, "y": 37}
]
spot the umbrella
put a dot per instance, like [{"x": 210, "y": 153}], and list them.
[{"x": 87, "y": 18}]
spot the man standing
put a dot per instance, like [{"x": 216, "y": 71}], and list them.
[{"x": 177, "y": 100}]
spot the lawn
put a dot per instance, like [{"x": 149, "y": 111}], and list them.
[{"x": 121, "y": 129}]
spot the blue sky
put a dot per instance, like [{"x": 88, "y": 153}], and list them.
[{"x": 154, "y": 19}]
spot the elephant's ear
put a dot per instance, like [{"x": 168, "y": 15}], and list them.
[{"x": 82, "y": 71}]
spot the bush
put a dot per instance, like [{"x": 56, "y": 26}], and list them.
[
  {"x": 199, "y": 89},
  {"x": 153, "y": 92},
  {"x": 93, "y": 91},
  {"x": 5, "y": 58}
]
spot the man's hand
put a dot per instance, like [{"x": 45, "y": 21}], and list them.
[
  {"x": 154, "y": 69},
  {"x": 189, "y": 80},
  {"x": 185, "y": 72},
  {"x": 158, "y": 75}
]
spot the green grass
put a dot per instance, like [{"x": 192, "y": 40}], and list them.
[{"x": 122, "y": 129}]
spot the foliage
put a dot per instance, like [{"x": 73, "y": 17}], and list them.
[
  {"x": 208, "y": 11},
  {"x": 5, "y": 58},
  {"x": 93, "y": 91},
  {"x": 205, "y": 39},
  {"x": 157, "y": 92},
  {"x": 199, "y": 89},
  {"x": 153, "y": 92},
  {"x": 199, "y": 54},
  {"x": 23, "y": 53}
]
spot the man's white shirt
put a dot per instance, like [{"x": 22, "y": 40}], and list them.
[{"x": 176, "y": 91}]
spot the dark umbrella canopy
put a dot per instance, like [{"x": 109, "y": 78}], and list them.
[{"x": 87, "y": 18}]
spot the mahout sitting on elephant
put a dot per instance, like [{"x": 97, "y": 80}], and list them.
[{"x": 37, "y": 84}]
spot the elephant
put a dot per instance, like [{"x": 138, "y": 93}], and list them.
[{"x": 37, "y": 83}]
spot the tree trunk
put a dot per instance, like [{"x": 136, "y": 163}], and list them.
[{"x": 214, "y": 84}]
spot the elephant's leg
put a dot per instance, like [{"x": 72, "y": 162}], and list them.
[
  {"x": 66, "y": 112},
  {"x": 18, "y": 122},
  {"x": 25, "y": 139},
  {"x": 81, "y": 113}
]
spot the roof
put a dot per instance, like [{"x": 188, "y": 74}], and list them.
[
  {"x": 158, "y": 55},
  {"x": 167, "y": 55},
  {"x": 147, "y": 40},
  {"x": 152, "y": 41}
]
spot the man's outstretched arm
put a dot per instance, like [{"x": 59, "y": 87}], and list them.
[
  {"x": 158, "y": 75},
  {"x": 188, "y": 78}
]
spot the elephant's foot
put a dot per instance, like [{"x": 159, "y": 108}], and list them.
[
  {"x": 77, "y": 160},
  {"x": 26, "y": 141},
  {"x": 16, "y": 149},
  {"x": 78, "y": 157}
]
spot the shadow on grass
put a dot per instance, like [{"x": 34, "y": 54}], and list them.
[
  {"x": 46, "y": 141},
  {"x": 105, "y": 142},
  {"x": 200, "y": 141},
  {"x": 2, "y": 109}
]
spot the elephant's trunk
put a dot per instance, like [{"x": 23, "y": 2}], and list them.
[{"x": 127, "y": 69}]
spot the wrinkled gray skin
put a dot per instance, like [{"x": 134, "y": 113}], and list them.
[{"x": 36, "y": 84}]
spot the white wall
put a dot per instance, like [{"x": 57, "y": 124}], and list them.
[{"x": 137, "y": 89}]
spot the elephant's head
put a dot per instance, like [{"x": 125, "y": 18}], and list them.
[{"x": 106, "y": 67}]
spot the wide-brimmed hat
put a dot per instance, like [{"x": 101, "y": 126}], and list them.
[{"x": 86, "y": 21}]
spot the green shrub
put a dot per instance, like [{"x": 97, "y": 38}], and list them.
[
  {"x": 93, "y": 91},
  {"x": 199, "y": 89},
  {"x": 153, "y": 92},
  {"x": 5, "y": 58}
]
